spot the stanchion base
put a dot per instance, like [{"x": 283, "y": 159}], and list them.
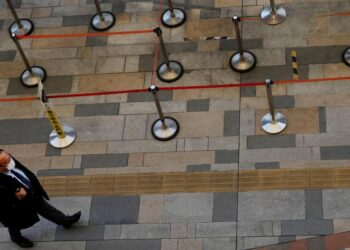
[
  {"x": 171, "y": 74},
  {"x": 58, "y": 142},
  {"x": 242, "y": 62},
  {"x": 101, "y": 25},
  {"x": 31, "y": 81},
  {"x": 275, "y": 127},
  {"x": 346, "y": 56},
  {"x": 177, "y": 20},
  {"x": 27, "y": 28},
  {"x": 168, "y": 133},
  {"x": 268, "y": 17}
]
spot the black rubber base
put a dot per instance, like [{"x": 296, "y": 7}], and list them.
[
  {"x": 172, "y": 80},
  {"x": 42, "y": 80},
  {"x": 26, "y": 34},
  {"x": 106, "y": 28},
  {"x": 343, "y": 57},
  {"x": 243, "y": 71},
  {"x": 177, "y": 25},
  {"x": 168, "y": 138}
]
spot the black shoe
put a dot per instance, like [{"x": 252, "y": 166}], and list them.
[
  {"x": 70, "y": 220},
  {"x": 22, "y": 241}
]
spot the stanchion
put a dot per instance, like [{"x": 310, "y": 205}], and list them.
[
  {"x": 62, "y": 135},
  {"x": 29, "y": 76},
  {"x": 164, "y": 128},
  {"x": 103, "y": 20},
  {"x": 273, "y": 14},
  {"x": 173, "y": 17},
  {"x": 170, "y": 70},
  {"x": 21, "y": 26},
  {"x": 241, "y": 61},
  {"x": 273, "y": 122},
  {"x": 346, "y": 56}
]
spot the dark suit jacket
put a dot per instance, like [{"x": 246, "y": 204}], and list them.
[{"x": 19, "y": 213}]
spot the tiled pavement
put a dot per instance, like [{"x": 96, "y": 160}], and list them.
[{"x": 138, "y": 193}]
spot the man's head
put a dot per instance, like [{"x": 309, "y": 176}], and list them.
[{"x": 5, "y": 159}]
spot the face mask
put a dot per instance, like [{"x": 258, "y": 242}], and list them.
[{"x": 11, "y": 165}]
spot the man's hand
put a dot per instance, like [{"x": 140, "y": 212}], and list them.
[{"x": 21, "y": 193}]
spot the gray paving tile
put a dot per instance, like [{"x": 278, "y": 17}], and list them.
[
  {"x": 114, "y": 210},
  {"x": 145, "y": 231},
  {"x": 16, "y": 3},
  {"x": 265, "y": 141},
  {"x": 226, "y": 156},
  {"x": 124, "y": 245},
  {"x": 317, "y": 55},
  {"x": 261, "y": 73},
  {"x": 307, "y": 227},
  {"x": 104, "y": 161},
  {"x": 210, "y": 13},
  {"x": 180, "y": 208},
  {"x": 96, "y": 109},
  {"x": 76, "y": 20},
  {"x": 53, "y": 84},
  {"x": 51, "y": 151},
  {"x": 285, "y": 239},
  {"x": 335, "y": 153},
  {"x": 198, "y": 168},
  {"x": 118, "y": 7},
  {"x": 313, "y": 204},
  {"x": 267, "y": 165},
  {"x": 1, "y": 24},
  {"x": 97, "y": 41},
  {"x": 166, "y": 95},
  {"x": 24, "y": 131},
  {"x": 255, "y": 228},
  {"x": 91, "y": 232},
  {"x": 146, "y": 62},
  {"x": 8, "y": 55},
  {"x": 225, "y": 207},
  {"x": 219, "y": 244},
  {"x": 273, "y": 205},
  {"x": 283, "y": 101},
  {"x": 181, "y": 47},
  {"x": 248, "y": 91},
  {"x": 336, "y": 203},
  {"x": 197, "y": 105},
  {"x": 60, "y": 172},
  {"x": 322, "y": 119},
  {"x": 231, "y": 45},
  {"x": 231, "y": 123},
  {"x": 317, "y": 243},
  {"x": 216, "y": 229}
]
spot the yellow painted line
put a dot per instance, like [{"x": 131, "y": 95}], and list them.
[{"x": 189, "y": 182}]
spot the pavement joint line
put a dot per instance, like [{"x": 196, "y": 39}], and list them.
[{"x": 191, "y": 182}]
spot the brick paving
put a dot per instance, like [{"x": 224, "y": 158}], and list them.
[{"x": 222, "y": 183}]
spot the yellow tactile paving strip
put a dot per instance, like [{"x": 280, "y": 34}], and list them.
[{"x": 189, "y": 182}]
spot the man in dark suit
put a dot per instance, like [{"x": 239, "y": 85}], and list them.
[{"x": 22, "y": 198}]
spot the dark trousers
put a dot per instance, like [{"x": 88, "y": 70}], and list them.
[{"x": 47, "y": 211}]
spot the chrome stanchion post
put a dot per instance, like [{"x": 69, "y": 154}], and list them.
[
  {"x": 20, "y": 26},
  {"x": 241, "y": 61},
  {"x": 173, "y": 17},
  {"x": 346, "y": 56},
  {"x": 103, "y": 20},
  {"x": 62, "y": 135},
  {"x": 273, "y": 122},
  {"x": 164, "y": 128},
  {"x": 273, "y": 14},
  {"x": 170, "y": 70},
  {"x": 29, "y": 76}
]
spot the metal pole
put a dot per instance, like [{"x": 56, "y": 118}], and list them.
[
  {"x": 14, "y": 13},
  {"x": 154, "y": 91},
  {"x": 99, "y": 11},
  {"x": 171, "y": 8},
  {"x": 24, "y": 58},
  {"x": 273, "y": 6},
  {"x": 268, "y": 84},
  {"x": 159, "y": 33},
  {"x": 236, "y": 21}
]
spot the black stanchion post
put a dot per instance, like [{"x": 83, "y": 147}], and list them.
[
  {"x": 346, "y": 56},
  {"x": 170, "y": 70},
  {"x": 29, "y": 76},
  {"x": 20, "y": 26},
  {"x": 273, "y": 122},
  {"x": 173, "y": 17},
  {"x": 164, "y": 128},
  {"x": 273, "y": 14},
  {"x": 241, "y": 61},
  {"x": 103, "y": 20}
]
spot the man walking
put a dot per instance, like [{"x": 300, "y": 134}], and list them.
[{"x": 22, "y": 198}]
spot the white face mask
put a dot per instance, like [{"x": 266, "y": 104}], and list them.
[{"x": 11, "y": 165}]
